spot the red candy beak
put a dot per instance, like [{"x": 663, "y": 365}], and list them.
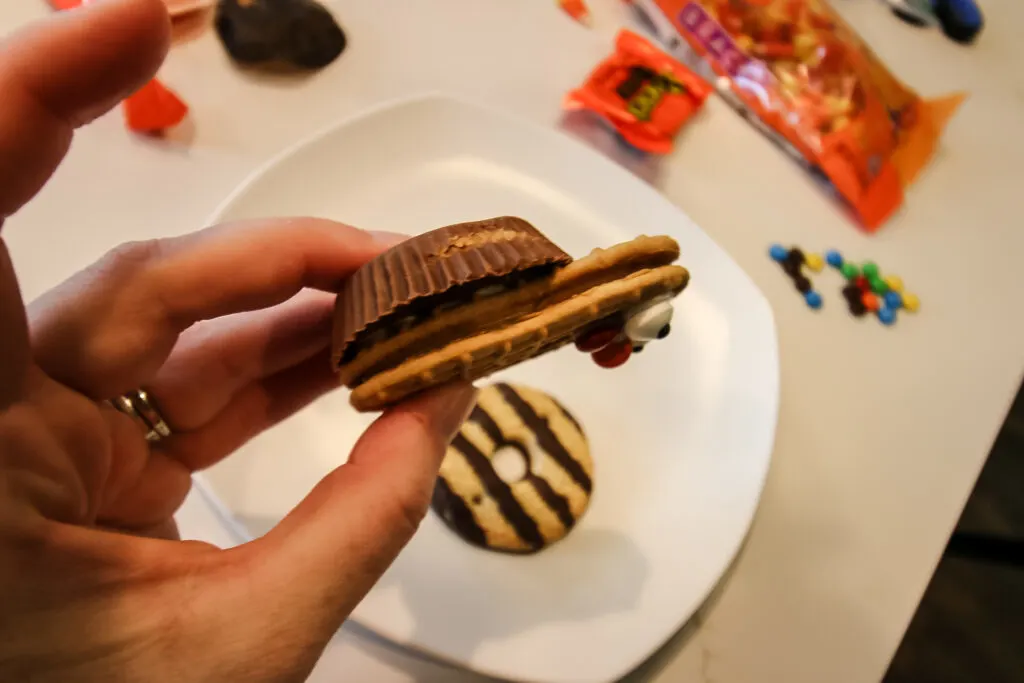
[
  {"x": 613, "y": 355},
  {"x": 599, "y": 338},
  {"x": 608, "y": 346}
]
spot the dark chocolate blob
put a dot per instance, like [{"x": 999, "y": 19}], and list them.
[{"x": 301, "y": 33}]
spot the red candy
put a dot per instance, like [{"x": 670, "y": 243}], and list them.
[
  {"x": 862, "y": 283},
  {"x": 597, "y": 338},
  {"x": 613, "y": 355},
  {"x": 153, "y": 108},
  {"x": 645, "y": 94}
]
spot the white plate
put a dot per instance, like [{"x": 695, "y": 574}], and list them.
[{"x": 681, "y": 435}]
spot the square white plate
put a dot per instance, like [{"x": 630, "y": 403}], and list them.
[{"x": 681, "y": 435}]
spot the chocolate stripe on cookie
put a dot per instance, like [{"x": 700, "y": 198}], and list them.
[
  {"x": 525, "y": 526},
  {"x": 545, "y": 437},
  {"x": 487, "y": 423},
  {"x": 558, "y": 504},
  {"x": 452, "y": 509},
  {"x": 568, "y": 416},
  {"x": 554, "y": 500}
]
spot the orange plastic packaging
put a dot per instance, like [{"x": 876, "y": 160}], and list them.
[
  {"x": 820, "y": 92},
  {"x": 645, "y": 94}
]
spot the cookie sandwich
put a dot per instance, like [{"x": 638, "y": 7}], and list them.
[{"x": 467, "y": 300}]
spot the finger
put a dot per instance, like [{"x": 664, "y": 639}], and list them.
[
  {"x": 112, "y": 326},
  {"x": 256, "y": 408},
  {"x": 319, "y": 562},
  {"x": 144, "y": 485},
  {"x": 215, "y": 359},
  {"x": 63, "y": 72},
  {"x": 15, "y": 352}
]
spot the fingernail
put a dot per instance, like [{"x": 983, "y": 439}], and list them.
[
  {"x": 458, "y": 401},
  {"x": 388, "y": 238}
]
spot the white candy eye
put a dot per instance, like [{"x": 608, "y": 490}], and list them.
[{"x": 650, "y": 322}]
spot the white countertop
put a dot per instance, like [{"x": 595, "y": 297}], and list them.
[{"x": 882, "y": 431}]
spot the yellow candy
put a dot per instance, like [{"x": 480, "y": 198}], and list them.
[
  {"x": 814, "y": 262},
  {"x": 911, "y": 302},
  {"x": 806, "y": 47},
  {"x": 894, "y": 282}
]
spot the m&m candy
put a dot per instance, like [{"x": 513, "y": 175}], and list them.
[
  {"x": 814, "y": 262},
  {"x": 911, "y": 302},
  {"x": 849, "y": 270},
  {"x": 870, "y": 301},
  {"x": 870, "y": 270},
  {"x": 893, "y": 300},
  {"x": 834, "y": 258},
  {"x": 878, "y": 286},
  {"x": 813, "y": 299},
  {"x": 886, "y": 315},
  {"x": 778, "y": 253},
  {"x": 893, "y": 282}
]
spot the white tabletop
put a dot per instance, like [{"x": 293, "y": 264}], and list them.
[{"x": 882, "y": 431}]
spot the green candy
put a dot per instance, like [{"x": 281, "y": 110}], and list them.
[
  {"x": 870, "y": 270},
  {"x": 849, "y": 270},
  {"x": 878, "y": 285}
]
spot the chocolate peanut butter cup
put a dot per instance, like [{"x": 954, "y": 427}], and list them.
[{"x": 436, "y": 270}]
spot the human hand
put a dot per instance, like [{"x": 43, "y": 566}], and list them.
[{"x": 229, "y": 330}]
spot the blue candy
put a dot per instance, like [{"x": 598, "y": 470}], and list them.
[
  {"x": 893, "y": 300},
  {"x": 813, "y": 299},
  {"x": 886, "y": 315},
  {"x": 778, "y": 253},
  {"x": 834, "y": 258}
]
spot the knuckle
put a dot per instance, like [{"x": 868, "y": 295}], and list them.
[
  {"x": 407, "y": 510},
  {"x": 131, "y": 256}
]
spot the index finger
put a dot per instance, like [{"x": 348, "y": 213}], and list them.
[
  {"x": 108, "y": 329},
  {"x": 62, "y": 73}
]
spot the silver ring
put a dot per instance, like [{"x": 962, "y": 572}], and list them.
[{"x": 139, "y": 406}]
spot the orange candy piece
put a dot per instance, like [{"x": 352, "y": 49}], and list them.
[
  {"x": 870, "y": 301},
  {"x": 153, "y": 108},
  {"x": 577, "y": 9},
  {"x": 645, "y": 94}
]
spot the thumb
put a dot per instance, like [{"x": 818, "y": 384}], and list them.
[
  {"x": 321, "y": 560},
  {"x": 62, "y": 73}
]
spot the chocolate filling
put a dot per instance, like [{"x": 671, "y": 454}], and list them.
[{"x": 418, "y": 310}]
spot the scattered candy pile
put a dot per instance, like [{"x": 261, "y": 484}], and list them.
[
  {"x": 792, "y": 260},
  {"x": 867, "y": 290}
]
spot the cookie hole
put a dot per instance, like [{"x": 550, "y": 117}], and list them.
[
  {"x": 510, "y": 464},
  {"x": 477, "y": 499}
]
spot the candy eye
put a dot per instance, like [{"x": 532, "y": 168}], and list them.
[
  {"x": 663, "y": 332},
  {"x": 650, "y": 322}
]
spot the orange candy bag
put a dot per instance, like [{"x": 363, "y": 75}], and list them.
[
  {"x": 816, "y": 89},
  {"x": 645, "y": 94}
]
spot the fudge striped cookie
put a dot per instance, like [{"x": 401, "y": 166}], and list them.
[{"x": 515, "y": 512}]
